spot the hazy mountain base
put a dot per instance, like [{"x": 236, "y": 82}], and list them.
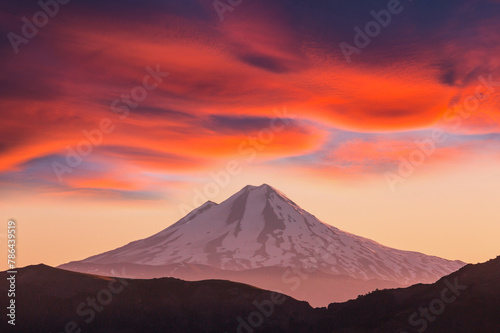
[{"x": 312, "y": 285}]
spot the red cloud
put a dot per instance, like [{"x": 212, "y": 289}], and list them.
[{"x": 245, "y": 67}]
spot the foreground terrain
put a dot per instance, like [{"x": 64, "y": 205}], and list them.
[{"x": 54, "y": 300}]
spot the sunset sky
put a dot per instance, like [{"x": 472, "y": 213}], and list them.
[{"x": 116, "y": 115}]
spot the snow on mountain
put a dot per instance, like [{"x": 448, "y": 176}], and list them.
[{"x": 261, "y": 227}]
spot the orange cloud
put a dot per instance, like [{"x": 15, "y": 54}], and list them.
[{"x": 239, "y": 71}]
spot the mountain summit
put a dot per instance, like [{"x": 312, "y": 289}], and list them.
[{"x": 260, "y": 227}]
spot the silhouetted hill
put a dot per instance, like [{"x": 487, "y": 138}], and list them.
[
  {"x": 311, "y": 285},
  {"x": 49, "y": 298},
  {"x": 465, "y": 301}
]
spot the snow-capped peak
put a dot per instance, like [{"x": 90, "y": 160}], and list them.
[{"x": 261, "y": 227}]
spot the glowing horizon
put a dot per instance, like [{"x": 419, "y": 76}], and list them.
[{"x": 109, "y": 131}]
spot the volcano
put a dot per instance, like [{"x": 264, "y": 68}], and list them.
[{"x": 259, "y": 236}]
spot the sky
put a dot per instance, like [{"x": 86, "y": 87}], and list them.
[{"x": 379, "y": 117}]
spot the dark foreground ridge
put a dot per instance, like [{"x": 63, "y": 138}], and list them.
[{"x": 55, "y": 300}]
